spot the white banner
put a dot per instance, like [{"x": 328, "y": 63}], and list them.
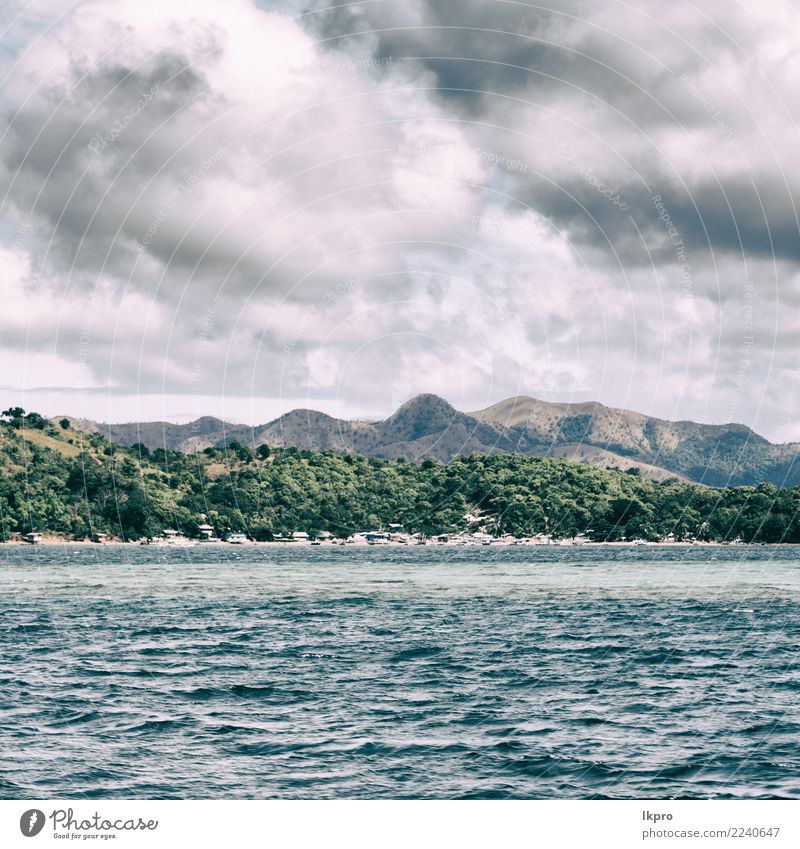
[{"x": 389, "y": 824}]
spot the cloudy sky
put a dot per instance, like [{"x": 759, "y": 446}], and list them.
[{"x": 236, "y": 208}]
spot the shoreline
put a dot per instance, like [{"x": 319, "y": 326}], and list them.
[{"x": 498, "y": 543}]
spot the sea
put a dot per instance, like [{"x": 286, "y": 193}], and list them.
[{"x": 261, "y": 672}]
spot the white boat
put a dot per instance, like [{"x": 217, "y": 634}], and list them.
[
  {"x": 172, "y": 537},
  {"x": 236, "y": 539}
]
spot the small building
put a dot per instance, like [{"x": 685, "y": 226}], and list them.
[
  {"x": 376, "y": 538},
  {"x": 33, "y": 538},
  {"x": 357, "y": 539},
  {"x": 300, "y": 536},
  {"x": 206, "y": 532},
  {"x": 99, "y": 537},
  {"x": 480, "y": 538},
  {"x": 169, "y": 533}
]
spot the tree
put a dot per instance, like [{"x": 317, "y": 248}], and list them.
[
  {"x": 15, "y": 415},
  {"x": 65, "y": 424},
  {"x": 127, "y": 492}
]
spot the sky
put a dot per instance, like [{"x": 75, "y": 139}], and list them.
[{"x": 236, "y": 208}]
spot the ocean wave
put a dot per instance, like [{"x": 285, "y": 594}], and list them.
[{"x": 400, "y": 676}]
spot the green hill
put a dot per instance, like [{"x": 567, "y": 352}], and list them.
[{"x": 57, "y": 479}]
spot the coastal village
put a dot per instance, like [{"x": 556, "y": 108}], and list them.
[
  {"x": 392, "y": 535},
  {"x": 63, "y": 488}
]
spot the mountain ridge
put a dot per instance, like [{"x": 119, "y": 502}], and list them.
[{"x": 428, "y": 427}]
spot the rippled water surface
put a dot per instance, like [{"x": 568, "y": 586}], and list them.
[{"x": 472, "y": 673}]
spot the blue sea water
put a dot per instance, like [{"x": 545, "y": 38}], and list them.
[{"x": 261, "y": 672}]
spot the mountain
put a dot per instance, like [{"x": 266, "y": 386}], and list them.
[
  {"x": 427, "y": 427},
  {"x": 716, "y": 455},
  {"x": 194, "y": 436},
  {"x": 424, "y": 427}
]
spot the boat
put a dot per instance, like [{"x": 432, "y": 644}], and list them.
[
  {"x": 377, "y": 538},
  {"x": 169, "y": 536},
  {"x": 236, "y": 538}
]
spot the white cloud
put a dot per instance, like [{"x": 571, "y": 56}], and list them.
[{"x": 203, "y": 242}]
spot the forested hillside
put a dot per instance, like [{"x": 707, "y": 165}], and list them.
[{"x": 56, "y": 479}]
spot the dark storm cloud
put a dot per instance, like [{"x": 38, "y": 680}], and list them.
[
  {"x": 476, "y": 50},
  {"x": 613, "y": 76},
  {"x": 73, "y": 158},
  {"x": 471, "y": 49},
  {"x": 630, "y": 224}
]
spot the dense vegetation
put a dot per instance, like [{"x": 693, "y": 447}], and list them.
[{"x": 58, "y": 480}]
